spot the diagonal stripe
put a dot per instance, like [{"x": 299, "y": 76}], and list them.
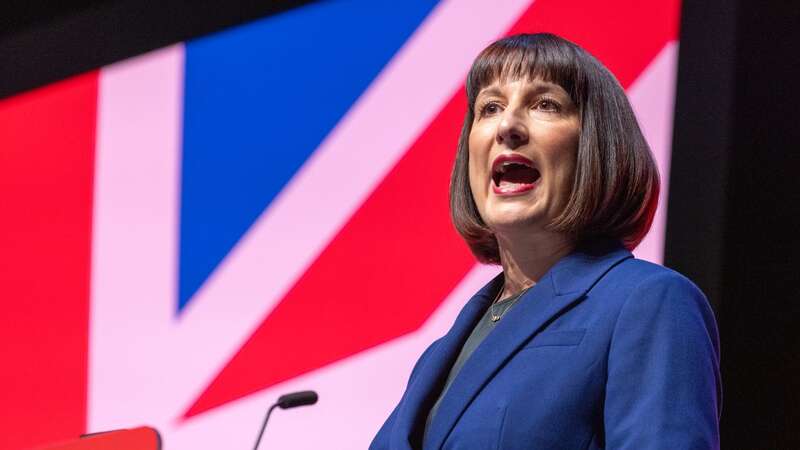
[
  {"x": 355, "y": 395},
  {"x": 322, "y": 301},
  {"x": 624, "y": 34}
]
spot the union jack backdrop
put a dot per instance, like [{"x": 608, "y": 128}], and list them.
[{"x": 190, "y": 233}]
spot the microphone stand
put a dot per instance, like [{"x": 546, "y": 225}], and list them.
[
  {"x": 287, "y": 401},
  {"x": 264, "y": 425}
]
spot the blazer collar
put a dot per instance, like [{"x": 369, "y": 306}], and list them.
[{"x": 562, "y": 286}]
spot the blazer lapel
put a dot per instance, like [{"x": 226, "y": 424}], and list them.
[
  {"x": 563, "y": 285},
  {"x": 422, "y": 392}
]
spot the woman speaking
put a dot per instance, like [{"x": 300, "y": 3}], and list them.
[{"x": 577, "y": 344}]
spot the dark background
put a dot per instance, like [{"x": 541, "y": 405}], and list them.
[{"x": 734, "y": 206}]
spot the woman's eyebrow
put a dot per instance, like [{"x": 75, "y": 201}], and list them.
[
  {"x": 541, "y": 87},
  {"x": 489, "y": 91}
]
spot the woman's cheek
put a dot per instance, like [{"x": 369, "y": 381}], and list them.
[{"x": 475, "y": 185}]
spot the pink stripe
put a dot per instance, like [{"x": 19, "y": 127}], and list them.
[
  {"x": 356, "y": 395},
  {"x": 653, "y": 99},
  {"x": 134, "y": 251}
]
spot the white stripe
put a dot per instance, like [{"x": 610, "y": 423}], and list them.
[
  {"x": 652, "y": 96},
  {"x": 356, "y": 394},
  {"x": 134, "y": 256}
]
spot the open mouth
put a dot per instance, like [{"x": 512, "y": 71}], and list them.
[{"x": 512, "y": 174}]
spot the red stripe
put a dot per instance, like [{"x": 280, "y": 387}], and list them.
[
  {"x": 398, "y": 257},
  {"x": 46, "y": 169},
  {"x": 624, "y": 34}
]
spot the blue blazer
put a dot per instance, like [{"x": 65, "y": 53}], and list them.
[{"x": 605, "y": 352}]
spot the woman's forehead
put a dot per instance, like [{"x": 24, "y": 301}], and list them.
[{"x": 500, "y": 84}]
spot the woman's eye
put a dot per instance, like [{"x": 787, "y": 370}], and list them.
[
  {"x": 490, "y": 109},
  {"x": 548, "y": 106}
]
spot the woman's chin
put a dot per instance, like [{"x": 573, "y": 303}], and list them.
[{"x": 511, "y": 221}]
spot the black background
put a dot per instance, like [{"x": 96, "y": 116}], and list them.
[{"x": 734, "y": 204}]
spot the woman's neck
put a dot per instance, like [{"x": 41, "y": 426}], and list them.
[{"x": 526, "y": 258}]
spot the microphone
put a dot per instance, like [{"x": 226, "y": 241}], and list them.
[{"x": 301, "y": 398}]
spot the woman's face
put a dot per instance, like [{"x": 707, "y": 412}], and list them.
[{"x": 522, "y": 152}]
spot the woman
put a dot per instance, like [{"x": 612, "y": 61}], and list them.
[{"x": 576, "y": 345}]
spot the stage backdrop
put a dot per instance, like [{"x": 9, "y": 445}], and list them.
[{"x": 190, "y": 233}]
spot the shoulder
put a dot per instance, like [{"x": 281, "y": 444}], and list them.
[
  {"x": 661, "y": 302},
  {"x": 638, "y": 271},
  {"x": 645, "y": 280},
  {"x": 638, "y": 277},
  {"x": 638, "y": 290}
]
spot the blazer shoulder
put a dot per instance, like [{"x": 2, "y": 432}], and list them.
[
  {"x": 637, "y": 273},
  {"x": 658, "y": 288},
  {"x": 639, "y": 282}
]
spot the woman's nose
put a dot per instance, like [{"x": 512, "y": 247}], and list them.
[{"x": 512, "y": 132}]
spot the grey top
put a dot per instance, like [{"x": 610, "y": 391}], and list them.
[{"x": 482, "y": 329}]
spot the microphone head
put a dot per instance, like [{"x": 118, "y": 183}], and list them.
[{"x": 294, "y": 399}]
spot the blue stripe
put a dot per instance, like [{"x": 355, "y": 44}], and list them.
[{"x": 259, "y": 99}]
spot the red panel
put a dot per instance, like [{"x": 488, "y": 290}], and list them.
[
  {"x": 142, "y": 438},
  {"x": 46, "y": 168},
  {"x": 396, "y": 260}
]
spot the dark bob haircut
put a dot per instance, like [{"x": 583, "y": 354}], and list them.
[{"x": 615, "y": 190}]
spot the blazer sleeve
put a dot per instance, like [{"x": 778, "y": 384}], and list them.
[{"x": 663, "y": 388}]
